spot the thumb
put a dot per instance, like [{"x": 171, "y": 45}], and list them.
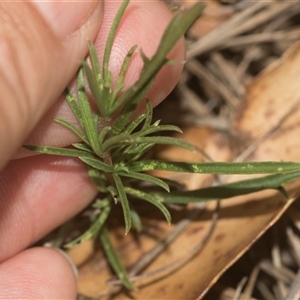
[
  {"x": 41, "y": 46},
  {"x": 37, "y": 273}
]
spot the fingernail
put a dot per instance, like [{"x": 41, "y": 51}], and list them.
[
  {"x": 66, "y": 17},
  {"x": 74, "y": 268}
]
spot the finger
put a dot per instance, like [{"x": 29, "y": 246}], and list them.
[
  {"x": 140, "y": 27},
  {"x": 38, "y": 41},
  {"x": 38, "y": 194},
  {"x": 37, "y": 273}
]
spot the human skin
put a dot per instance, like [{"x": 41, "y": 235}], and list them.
[{"x": 41, "y": 47}]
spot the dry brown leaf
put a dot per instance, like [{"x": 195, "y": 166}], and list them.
[
  {"x": 270, "y": 98},
  {"x": 271, "y": 111}
]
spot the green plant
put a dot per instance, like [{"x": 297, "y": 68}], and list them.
[{"x": 114, "y": 142}]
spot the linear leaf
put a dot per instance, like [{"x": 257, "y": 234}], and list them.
[
  {"x": 83, "y": 147},
  {"x": 90, "y": 127},
  {"x": 74, "y": 106},
  {"x": 106, "y": 94},
  {"x": 102, "y": 135},
  {"x": 149, "y": 115},
  {"x": 111, "y": 37},
  {"x": 120, "y": 82},
  {"x": 95, "y": 88},
  {"x": 97, "y": 164},
  {"x": 98, "y": 179},
  {"x": 136, "y": 220},
  {"x": 275, "y": 181},
  {"x": 94, "y": 61},
  {"x": 146, "y": 177},
  {"x": 72, "y": 129},
  {"x": 180, "y": 23},
  {"x": 153, "y": 199},
  {"x": 58, "y": 151},
  {"x": 93, "y": 231},
  {"x": 136, "y": 149},
  {"x": 114, "y": 259},
  {"x": 116, "y": 141},
  {"x": 135, "y": 123},
  {"x": 215, "y": 167},
  {"x": 128, "y": 110},
  {"x": 154, "y": 129},
  {"x": 164, "y": 140},
  {"x": 132, "y": 152},
  {"x": 124, "y": 201}
]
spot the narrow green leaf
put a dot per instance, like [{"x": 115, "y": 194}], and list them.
[
  {"x": 74, "y": 106},
  {"x": 116, "y": 141},
  {"x": 95, "y": 88},
  {"x": 106, "y": 94},
  {"x": 134, "y": 124},
  {"x": 59, "y": 151},
  {"x": 98, "y": 179},
  {"x": 120, "y": 82},
  {"x": 215, "y": 167},
  {"x": 97, "y": 164},
  {"x": 155, "y": 129},
  {"x": 72, "y": 129},
  {"x": 90, "y": 127},
  {"x": 93, "y": 231},
  {"x": 149, "y": 114},
  {"x": 180, "y": 23},
  {"x": 176, "y": 185},
  {"x": 136, "y": 220},
  {"x": 131, "y": 152},
  {"x": 146, "y": 177},
  {"x": 83, "y": 147},
  {"x": 111, "y": 37},
  {"x": 104, "y": 132},
  {"x": 61, "y": 235},
  {"x": 153, "y": 199},
  {"x": 127, "y": 112},
  {"x": 164, "y": 140},
  {"x": 275, "y": 181},
  {"x": 114, "y": 259},
  {"x": 120, "y": 168},
  {"x": 124, "y": 201},
  {"x": 94, "y": 61}
]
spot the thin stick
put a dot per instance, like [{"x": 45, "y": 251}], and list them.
[
  {"x": 294, "y": 292},
  {"x": 239, "y": 289},
  {"x": 200, "y": 71}
]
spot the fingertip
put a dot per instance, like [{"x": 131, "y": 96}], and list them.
[{"x": 37, "y": 273}]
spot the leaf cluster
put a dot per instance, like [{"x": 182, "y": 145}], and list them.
[{"x": 114, "y": 141}]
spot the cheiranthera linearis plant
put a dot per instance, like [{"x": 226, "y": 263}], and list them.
[{"x": 113, "y": 142}]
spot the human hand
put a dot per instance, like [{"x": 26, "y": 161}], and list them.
[{"x": 41, "y": 48}]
